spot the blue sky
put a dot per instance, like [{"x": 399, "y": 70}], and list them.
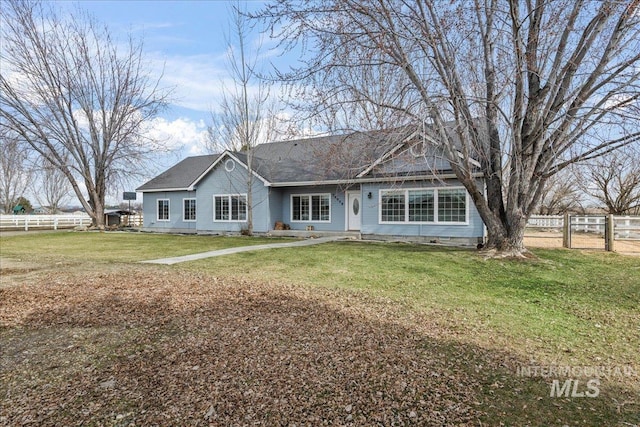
[
  {"x": 186, "y": 39},
  {"x": 186, "y": 42}
]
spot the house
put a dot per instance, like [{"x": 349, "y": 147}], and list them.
[
  {"x": 45, "y": 210},
  {"x": 375, "y": 184}
]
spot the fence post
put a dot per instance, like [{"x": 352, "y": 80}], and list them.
[
  {"x": 566, "y": 231},
  {"x": 26, "y": 224},
  {"x": 609, "y": 233}
]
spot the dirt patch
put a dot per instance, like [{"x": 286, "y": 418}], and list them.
[
  {"x": 14, "y": 271},
  {"x": 586, "y": 241},
  {"x": 9, "y": 265}
]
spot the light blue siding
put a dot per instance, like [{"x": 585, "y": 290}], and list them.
[
  {"x": 220, "y": 182},
  {"x": 176, "y": 221},
  {"x": 274, "y": 204},
  {"x": 371, "y": 214},
  {"x": 337, "y": 209}
]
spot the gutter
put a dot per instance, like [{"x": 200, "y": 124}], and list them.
[
  {"x": 369, "y": 180},
  {"x": 160, "y": 190}
]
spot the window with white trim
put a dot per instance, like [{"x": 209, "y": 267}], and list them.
[
  {"x": 189, "y": 209},
  {"x": 432, "y": 205},
  {"x": 163, "y": 210},
  {"x": 230, "y": 207},
  {"x": 393, "y": 206},
  {"x": 311, "y": 207},
  {"x": 452, "y": 205},
  {"x": 421, "y": 206}
]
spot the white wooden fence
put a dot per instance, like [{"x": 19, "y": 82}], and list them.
[
  {"x": 55, "y": 222},
  {"x": 546, "y": 221},
  {"x": 627, "y": 227},
  {"x": 43, "y": 222},
  {"x": 133, "y": 220}
]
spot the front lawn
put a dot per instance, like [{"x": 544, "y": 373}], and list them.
[
  {"x": 116, "y": 247},
  {"x": 347, "y": 333},
  {"x": 567, "y": 306}
]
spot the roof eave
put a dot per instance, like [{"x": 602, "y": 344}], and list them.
[
  {"x": 160, "y": 190},
  {"x": 447, "y": 175}
]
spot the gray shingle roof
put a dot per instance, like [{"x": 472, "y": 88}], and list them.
[
  {"x": 181, "y": 175},
  {"x": 414, "y": 159},
  {"x": 326, "y": 158},
  {"x": 320, "y": 159}
]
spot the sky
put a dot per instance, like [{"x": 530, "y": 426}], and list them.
[{"x": 187, "y": 42}]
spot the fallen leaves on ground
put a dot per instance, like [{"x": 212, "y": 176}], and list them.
[{"x": 153, "y": 346}]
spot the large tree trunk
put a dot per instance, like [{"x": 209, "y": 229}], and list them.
[
  {"x": 505, "y": 229},
  {"x": 505, "y": 240},
  {"x": 97, "y": 217}
]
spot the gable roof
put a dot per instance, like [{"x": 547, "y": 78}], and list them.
[
  {"x": 180, "y": 176},
  {"x": 347, "y": 158}
]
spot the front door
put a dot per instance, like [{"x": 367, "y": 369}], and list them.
[{"x": 354, "y": 207}]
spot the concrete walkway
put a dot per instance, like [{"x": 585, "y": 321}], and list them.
[{"x": 229, "y": 251}]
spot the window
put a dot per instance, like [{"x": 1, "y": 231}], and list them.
[
  {"x": 313, "y": 207},
  {"x": 452, "y": 205},
  {"x": 230, "y": 207},
  {"x": 238, "y": 208},
  {"x": 423, "y": 205},
  {"x": 189, "y": 212},
  {"x": 393, "y": 203},
  {"x": 163, "y": 209}
]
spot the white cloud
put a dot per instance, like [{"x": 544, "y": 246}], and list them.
[
  {"x": 196, "y": 79},
  {"x": 180, "y": 133}
]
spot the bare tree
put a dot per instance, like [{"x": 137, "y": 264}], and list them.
[
  {"x": 245, "y": 116},
  {"x": 525, "y": 88},
  {"x": 76, "y": 96},
  {"x": 614, "y": 181},
  {"x": 15, "y": 170},
  {"x": 562, "y": 194},
  {"x": 345, "y": 107},
  {"x": 50, "y": 187}
]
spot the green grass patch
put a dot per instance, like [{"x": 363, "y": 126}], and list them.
[{"x": 116, "y": 246}]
